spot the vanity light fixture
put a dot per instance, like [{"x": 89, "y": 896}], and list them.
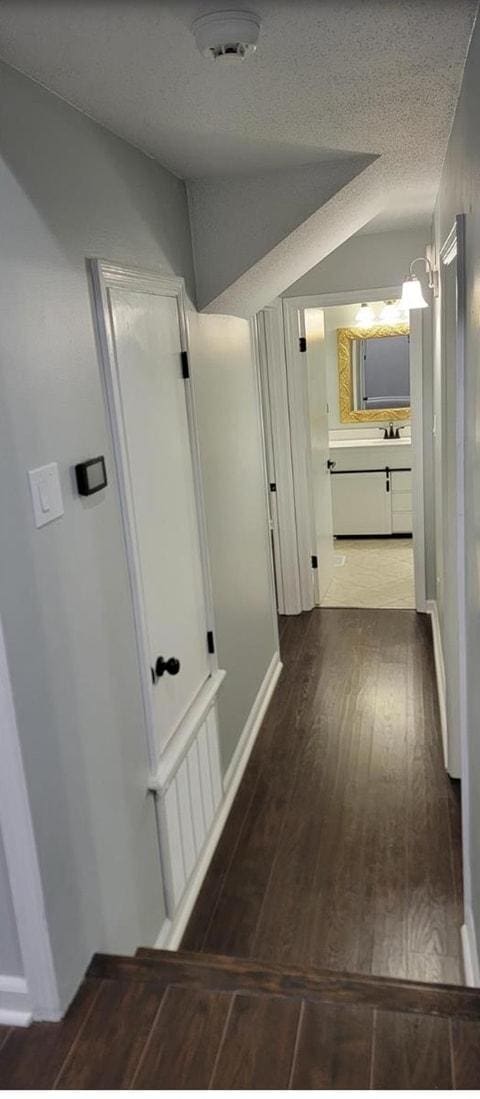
[
  {"x": 412, "y": 295},
  {"x": 365, "y": 316},
  {"x": 391, "y": 312}
]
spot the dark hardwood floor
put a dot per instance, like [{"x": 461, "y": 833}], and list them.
[
  {"x": 166, "y": 1020},
  {"x": 338, "y": 873},
  {"x": 343, "y": 849}
]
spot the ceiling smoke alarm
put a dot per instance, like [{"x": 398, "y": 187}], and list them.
[{"x": 227, "y": 35}]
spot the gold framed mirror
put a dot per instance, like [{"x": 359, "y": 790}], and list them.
[{"x": 373, "y": 379}]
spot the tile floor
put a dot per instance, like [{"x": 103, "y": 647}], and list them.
[{"x": 377, "y": 572}]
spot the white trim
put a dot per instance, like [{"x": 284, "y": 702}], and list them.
[
  {"x": 178, "y": 746},
  {"x": 171, "y": 932},
  {"x": 344, "y": 297},
  {"x": 432, "y": 610},
  {"x": 297, "y": 382},
  {"x": 453, "y": 250},
  {"x": 470, "y": 951},
  {"x": 105, "y": 275},
  {"x": 16, "y": 828},
  {"x": 273, "y": 379},
  {"x": 261, "y": 438},
  {"x": 418, "y": 488},
  {"x": 15, "y": 1006}
]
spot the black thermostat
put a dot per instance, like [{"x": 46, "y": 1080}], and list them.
[{"x": 91, "y": 476}]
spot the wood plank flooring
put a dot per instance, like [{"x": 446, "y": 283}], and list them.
[
  {"x": 172, "y": 1021},
  {"x": 343, "y": 848}
]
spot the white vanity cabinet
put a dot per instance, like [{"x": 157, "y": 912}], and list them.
[
  {"x": 365, "y": 498},
  {"x": 360, "y": 504}
]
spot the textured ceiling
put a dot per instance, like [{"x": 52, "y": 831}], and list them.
[
  {"x": 330, "y": 77},
  {"x": 335, "y": 85}
]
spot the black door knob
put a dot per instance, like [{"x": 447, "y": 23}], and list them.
[
  {"x": 330, "y": 464},
  {"x": 172, "y": 666}
]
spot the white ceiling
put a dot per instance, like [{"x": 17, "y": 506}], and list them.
[{"x": 330, "y": 78}]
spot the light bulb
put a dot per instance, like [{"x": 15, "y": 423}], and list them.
[
  {"x": 365, "y": 315},
  {"x": 412, "y": 296},
  {"x": 390, "y": 313}
]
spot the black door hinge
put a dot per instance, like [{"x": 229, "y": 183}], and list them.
[
  {"x": 185, "y": 364},
  {"x": 273, "y": 487},
  {"x": 302, "y": 343},
  {"x": 314, "y": 561},
  {"x": 210, "y": 642}
]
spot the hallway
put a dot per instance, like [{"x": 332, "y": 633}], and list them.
[{"x": 342, "y": 849}]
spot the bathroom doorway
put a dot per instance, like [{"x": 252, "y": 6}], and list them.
[{"x": 353, "y": 386}]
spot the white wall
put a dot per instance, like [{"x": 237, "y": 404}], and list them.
[
  {"x": 459, "y": 193},
  {"x": 69, "y": 190},
  {"x": 365, "y": 261},
  {"x": 231, "y": 448},
  {"x": 237, "y": 221}
]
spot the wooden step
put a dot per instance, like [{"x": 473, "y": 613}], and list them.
[{"x": 227, "y": 974}]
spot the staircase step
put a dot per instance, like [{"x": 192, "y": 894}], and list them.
[{"x": 222, "y": 973}]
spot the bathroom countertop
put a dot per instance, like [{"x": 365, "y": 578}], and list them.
[{"x": 341, "y": 443}]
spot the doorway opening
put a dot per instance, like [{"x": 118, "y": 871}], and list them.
[{"x": 342, "y": 398}]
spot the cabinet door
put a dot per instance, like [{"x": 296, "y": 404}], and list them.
[{"x": 361, "y": 504}]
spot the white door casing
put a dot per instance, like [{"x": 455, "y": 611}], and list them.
[
  {"x": 453, "y": 492},
  {"x": 314, "y": 322},
  {"x": 274, "y": 395},
  {"x": 301, "y": 449}
]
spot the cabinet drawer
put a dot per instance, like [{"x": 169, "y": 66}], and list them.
[
  {"x": 401, "y": 501},
  {"x": 402, "y": 522},
  {"x": 402, "y": 481}
]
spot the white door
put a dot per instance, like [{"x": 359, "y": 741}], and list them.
[
  {"x": 320, "y": 474},
  {"x": 153, "y": 434}
]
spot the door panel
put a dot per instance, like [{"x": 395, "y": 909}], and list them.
[
  {"x": 147, "y": 351},
  {"x": 318, "y": 415}
]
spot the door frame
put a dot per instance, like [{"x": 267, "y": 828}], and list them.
[
  {"x": 453, "y": 250},
  {"x": 105, "y": 276},
  {"x": 272, "y": 371},
  {"x": 299, "y": 425}
]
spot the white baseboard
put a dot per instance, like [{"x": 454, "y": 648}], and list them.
[
  {"x": 15, "y": 1006},
  {"x": 171, "y": 932},
  {"x": 432, "y": 610},
  {"x": 470, "y": 952}
]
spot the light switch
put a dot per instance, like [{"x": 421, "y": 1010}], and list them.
[{"x": 46, "y": 494}]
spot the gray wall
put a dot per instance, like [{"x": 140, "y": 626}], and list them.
[
  {"x": 231, "y": 446},
  {"x": 365, "y": 261},
  {"x": 10, "y": 957},
  {"x": 371, "y": 261},
  {"x": 70, "y": 190},
  {"x": 237, "y": 221},
  {"x": 460, "y": 193}
]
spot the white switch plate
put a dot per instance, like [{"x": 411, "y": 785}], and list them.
[{"x": 46, "y": 494}]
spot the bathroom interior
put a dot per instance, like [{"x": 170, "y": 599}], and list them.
[{"x": 367, "y": 358}]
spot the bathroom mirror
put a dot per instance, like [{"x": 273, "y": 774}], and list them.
[{"x": 374, "y": 373}]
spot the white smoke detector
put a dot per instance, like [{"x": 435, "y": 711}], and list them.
[{"x": 227, "y": 35}]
